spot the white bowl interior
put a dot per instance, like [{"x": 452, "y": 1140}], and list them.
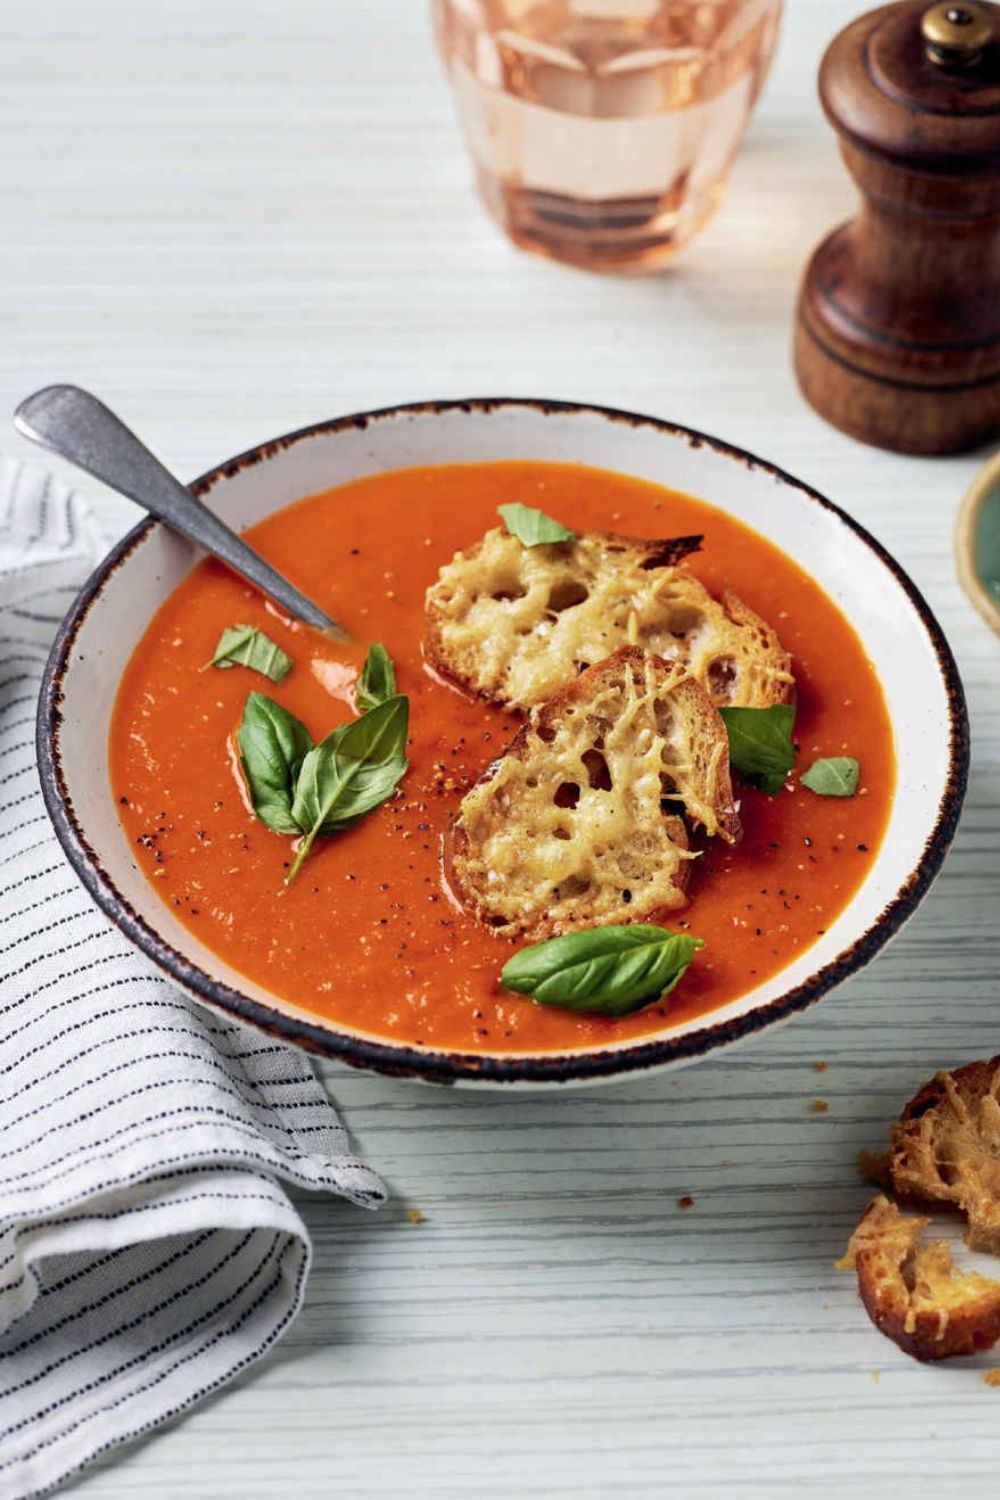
[{"x": 847, "y": 568}]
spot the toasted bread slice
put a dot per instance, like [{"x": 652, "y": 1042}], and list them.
[
  {"x": 576, "y": 824},
  {"x": 946, "y": 1148},
  {"x": 914, "y": 1293},
  {"x": 516, "y": 623},
  {"x": 738, "y": 657}
]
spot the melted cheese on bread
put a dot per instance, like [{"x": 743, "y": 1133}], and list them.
[{"x": 577, "y": 824}]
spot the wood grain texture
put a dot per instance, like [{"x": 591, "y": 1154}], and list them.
[{"x": 230, "y": 220}]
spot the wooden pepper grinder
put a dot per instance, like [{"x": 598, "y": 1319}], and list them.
[{"x": 897, "y": 337}]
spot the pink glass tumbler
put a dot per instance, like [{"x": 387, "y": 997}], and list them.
[{"x": 602, "y": 131}]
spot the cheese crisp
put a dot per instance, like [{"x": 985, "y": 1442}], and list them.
[{"x": 515, "y": 623}]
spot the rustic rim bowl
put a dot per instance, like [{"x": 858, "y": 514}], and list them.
[
  {"x": 982, "y": 489},
  {"x": 906, "y": 644}
]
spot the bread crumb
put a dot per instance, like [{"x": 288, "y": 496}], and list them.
[
  {"x": 820, "y": 1106},
  {"x": 415, "y": 1216},
  {"x": 686, "y": 1202},
  {"x": 820, "y": 1067},
  {"x": 874, "y": 1166},
  {"x": 992, "y": 1377},
  {"x": 875, "y": 1377}
]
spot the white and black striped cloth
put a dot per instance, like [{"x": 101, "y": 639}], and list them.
[{"x": 148, "y": 1252}]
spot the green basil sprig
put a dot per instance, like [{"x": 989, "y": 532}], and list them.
[
  {"x": 246, "y": 646},
  {"x": 297, "y": 787},
  {"x": 273, "y": 744},
  {"x": 835, "y": 777},
  {"x": 760, "y": 744},
  {"x": 611, "y": 971},
  {"x": 533, "y": 527},
  {"x": 377, "y": 681},
  {"x": 351, "y": 772}
]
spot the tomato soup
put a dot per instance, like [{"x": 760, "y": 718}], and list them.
[{"x": 368, "y": 935}]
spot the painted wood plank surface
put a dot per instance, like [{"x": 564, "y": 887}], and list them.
[{"x": 232, "y": 220}]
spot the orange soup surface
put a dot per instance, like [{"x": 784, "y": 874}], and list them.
[{"x": 368, "y": 935}]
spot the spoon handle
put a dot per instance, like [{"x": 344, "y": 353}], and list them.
[{"x": 74, "y": 424}]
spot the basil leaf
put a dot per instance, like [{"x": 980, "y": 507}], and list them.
[
  {"x": 246, "y": 646},
  {"x": 611, "y": 971},
  {"x": 273, "y": 744},
  {"x": 760, "y": 744},
  {"x": 351, "y": 772},
  {"x": 377, "y": 681},
  {"x": 533, "y": 527},
  {"x": 836, "y": 777}
]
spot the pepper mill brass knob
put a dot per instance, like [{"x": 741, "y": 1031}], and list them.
[
  {"x": 956, "y": 35},
  {"x": 897, "y": 336}
]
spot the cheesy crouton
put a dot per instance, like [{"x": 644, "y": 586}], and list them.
[
  {"x": 515, "y": 623},
  {"x": 946, "y": 1148},
  {"x": 912, "y": 1290},
  {"x": 578, "y": 823}
]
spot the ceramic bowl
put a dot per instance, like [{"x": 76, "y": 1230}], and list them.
[{"x": 903, "y": 639}]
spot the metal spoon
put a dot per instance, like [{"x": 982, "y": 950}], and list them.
[{"x": 74, "y": 424}]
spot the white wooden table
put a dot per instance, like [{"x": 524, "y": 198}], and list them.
[{"x": 234, "y": 219}]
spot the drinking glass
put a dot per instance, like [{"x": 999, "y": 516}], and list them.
[{"x": 602, "y": 131}]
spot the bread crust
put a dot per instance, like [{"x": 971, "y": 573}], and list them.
[
  {"x": 513, "y": 623},
  {"x": 568, "y": 828},
  {"x": 912, "y": 1290}
]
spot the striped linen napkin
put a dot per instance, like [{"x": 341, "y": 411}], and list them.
[{"x": 148, "y": 1250}]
